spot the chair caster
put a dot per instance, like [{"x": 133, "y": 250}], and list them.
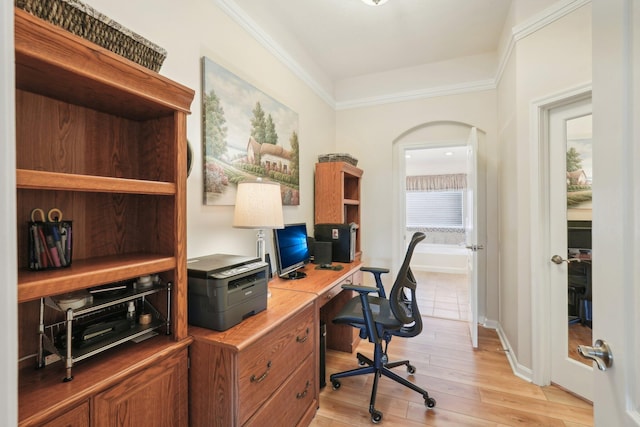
[
  {"x": 376, "y": 416},
  {"x": 335, "y": 384},
  {"x": 411, "y": 369},
  {"x": 430, "y": 402}
]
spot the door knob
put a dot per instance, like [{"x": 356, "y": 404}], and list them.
[
  {"x": 600, "y": 352},
  {"x": 559, "y": 260}
]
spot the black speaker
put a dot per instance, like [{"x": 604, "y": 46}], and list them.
[
  {"x": 310, "y": 245},
  {"x": 322, "y": 253},
  {"x": 267, "y": 259}
]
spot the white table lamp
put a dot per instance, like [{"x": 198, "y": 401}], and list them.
[{"x": 258, "y": 205}]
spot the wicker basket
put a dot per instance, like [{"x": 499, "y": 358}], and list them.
[
  {"x": 84, "y": 21},
  {"x": 338, "y": 157}
]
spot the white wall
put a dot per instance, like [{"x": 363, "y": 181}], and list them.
[
  {"x": 8, "y": 258},
  {"x": 188, "y": 30},
  {"x": 369, "y": 134},
  {"x": 553, "y": 59}
]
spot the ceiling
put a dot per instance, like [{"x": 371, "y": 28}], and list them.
[
  {"x": 347, "y": 38},
  {"x": 436, "y": 161}
]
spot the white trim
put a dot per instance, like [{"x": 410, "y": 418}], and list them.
[
  {"x": 398, "y": 210},
  {"x": 533, "y": 24},
  {"x": 250, "y": 26},
  {"x": 9, "y": 270},
  {"x": 502, "y": 64},
  {"x": 519, "y": 370},
  {"x": 455, "y": 89},
  {"x": 540, "y": 283},
  {"x": 546, "y": 17},
  {"x": 438, "y": 269},
  {"x": 518, "y": 32}
]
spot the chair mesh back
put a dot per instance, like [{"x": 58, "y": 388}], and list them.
[{"x": 402, "y": 299}]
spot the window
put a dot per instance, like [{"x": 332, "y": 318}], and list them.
[{"x": 435, "y": 209}]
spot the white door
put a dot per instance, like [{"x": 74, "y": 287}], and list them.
[
  {"x": 471, "y": 232},
  {"x": 570, "y": 131},
  {"x": 616, "y": 210}
]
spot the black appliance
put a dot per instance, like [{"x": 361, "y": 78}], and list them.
[{"x": 342, "y": 238}]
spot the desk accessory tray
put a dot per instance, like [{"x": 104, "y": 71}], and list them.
[{"x": 101, "y": 319}]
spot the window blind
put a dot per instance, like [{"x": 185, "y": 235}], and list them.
[{"x": 435, "y": 209}]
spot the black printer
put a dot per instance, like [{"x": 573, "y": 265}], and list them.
[{"x": 225, "y": 289}]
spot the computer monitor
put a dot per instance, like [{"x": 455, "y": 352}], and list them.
[{"x": 291, "y": 250}]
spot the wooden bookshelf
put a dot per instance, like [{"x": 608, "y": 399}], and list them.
[{"x": 104, "y": 140}]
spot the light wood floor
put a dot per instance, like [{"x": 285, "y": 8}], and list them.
[{"x": 471, "y": 387}]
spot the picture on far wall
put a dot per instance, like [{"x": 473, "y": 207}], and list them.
[
  {"x": 579, "y": 168},
  {"x": 246, "y": 135}
]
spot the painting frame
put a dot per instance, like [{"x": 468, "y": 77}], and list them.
[
  {"x": 246, "y": 134},
  {"x": 579, "y": 161}
]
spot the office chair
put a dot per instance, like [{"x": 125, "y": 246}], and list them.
[{"x": 379, "y": 319}]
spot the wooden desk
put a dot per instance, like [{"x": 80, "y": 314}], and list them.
[
  {"x": 327, "y": 286},
  {"x": 265, "y": 370},
  {"x": 261, "y": 371}
]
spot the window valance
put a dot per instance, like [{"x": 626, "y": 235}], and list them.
[{"x": 436, "y": 182}]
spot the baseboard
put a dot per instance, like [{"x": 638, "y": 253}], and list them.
[
  {"x": 518, "y": 369},
  {"x": 438, "y": 269}
]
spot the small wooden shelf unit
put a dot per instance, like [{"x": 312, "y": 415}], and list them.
[{"x": 337, "y": 196}]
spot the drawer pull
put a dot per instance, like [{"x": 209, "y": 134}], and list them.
[
  {"x": 304, "y": 393},
  {"x": 261, "y": 378},
  {"x": 304, "y": 338}
]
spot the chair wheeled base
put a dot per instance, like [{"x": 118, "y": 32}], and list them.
[
  {"x": 369, "y": 367},
  {"x": 379, "y": 319}
]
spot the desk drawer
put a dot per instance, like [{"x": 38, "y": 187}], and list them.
[
  {"x": 289, "y": 404},
  {"x": 327, "y": 296},
  {"x": 266, "y": 364}
]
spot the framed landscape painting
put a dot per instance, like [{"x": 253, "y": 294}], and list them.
[
  {"x": 579, "y": 168},
  {"x": 246, "y": 135}
]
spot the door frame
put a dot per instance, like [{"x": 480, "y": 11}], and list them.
[
  {"x": 399, "y": 205},
  {"x": 398, "y": 217},
  {"x": 539, "y": 190},
  {"x": 9, "y": 271}
]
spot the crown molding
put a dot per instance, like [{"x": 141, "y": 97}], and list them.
[
  {"x": 251, "y": 27},
  {"x": 433, "y": 92},
  {"x": 518, "y": 32},
  {"x": 533, "y": 24},
  {"x": 546, "y": 17}
]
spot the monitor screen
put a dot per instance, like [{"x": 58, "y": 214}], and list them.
[{"x": 292, "y": 253}]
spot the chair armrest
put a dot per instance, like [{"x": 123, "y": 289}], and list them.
[
  {"x": 359, "y": 288},
  {"x": 377, "y": 272},
  {"x": 364, "y": 291},
  {"x": 374, "y": 270}
]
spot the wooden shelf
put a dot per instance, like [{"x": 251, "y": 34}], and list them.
[
  {"x": 57, "y": 64},
  {"x": 337, "y": 196},
  {"x": 39, "y": 180},
  {"x": 87, "y": 273},
  {"x": 103, "y": 140},
  {"x": 43, "y": 393}
]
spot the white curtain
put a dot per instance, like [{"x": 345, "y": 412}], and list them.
[{"x": 437, "y": 182}]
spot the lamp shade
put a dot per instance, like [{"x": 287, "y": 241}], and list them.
[{"x": 258, "y": 205}]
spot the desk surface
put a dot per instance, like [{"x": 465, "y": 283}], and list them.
[
  {"x": 317, "y": 281},
  {"x": 287, "y": 298},
  {"x": 281, "y": 305}
]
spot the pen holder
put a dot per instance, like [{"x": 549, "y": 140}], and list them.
[{"x": 49, "y": 245}]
